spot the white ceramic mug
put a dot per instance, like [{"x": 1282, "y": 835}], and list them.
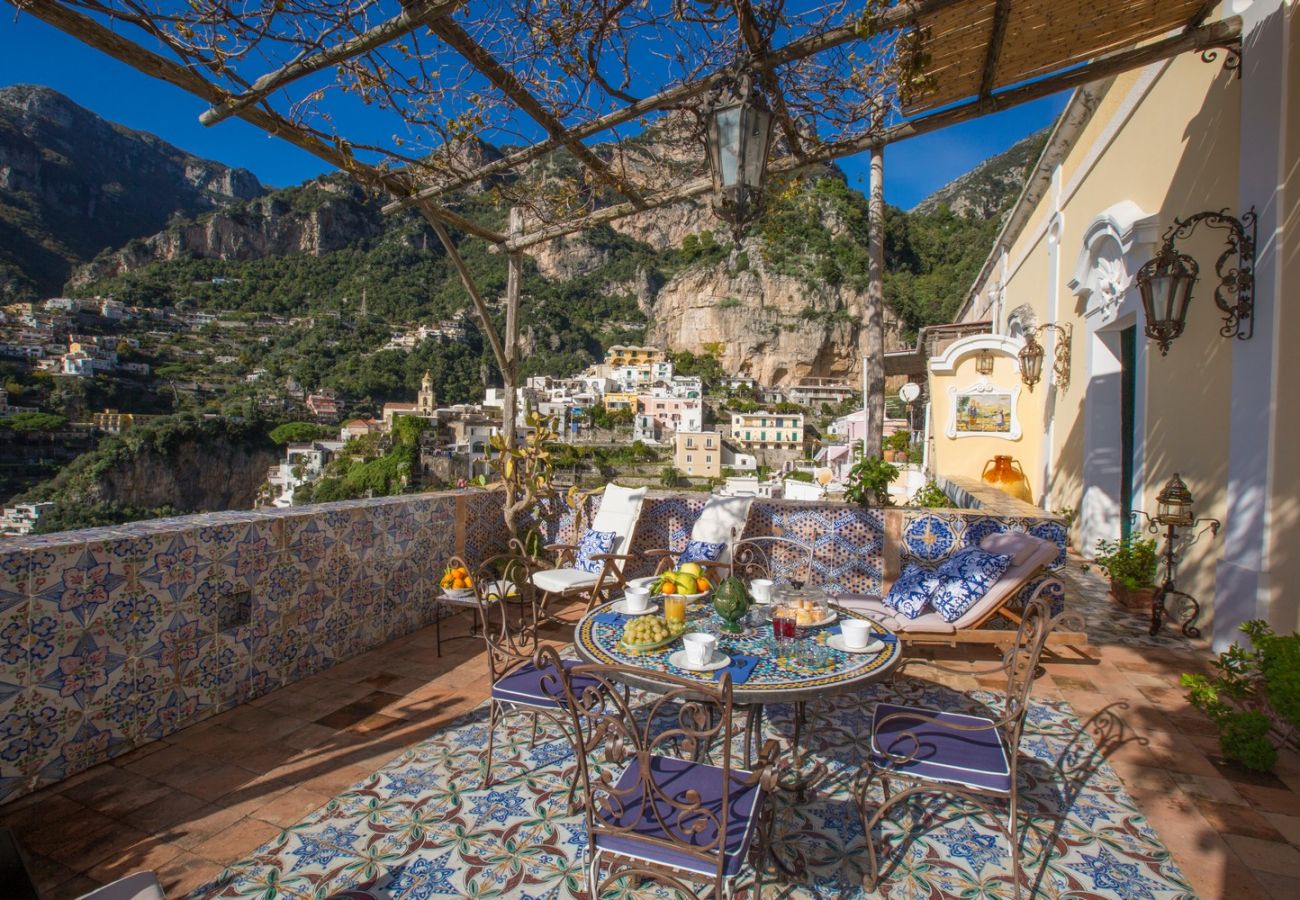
[
  {"x": 699, "y": 647},
  {"x": 636, "y": 599},
  {"x": 761, "y": 589},
  {"x": 856, "y": 633}
]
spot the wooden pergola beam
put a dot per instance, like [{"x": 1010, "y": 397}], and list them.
[
  {"x": 748, "y": 23},
  {"x": 87, "y": 30},
  {"x": 409, "y": 19},
  {"x": 809, "y": 45},
  {"x": 505, "y": 81},
  {"x": 997, "y": 37},
  {"x": 1217, "y": 34}
]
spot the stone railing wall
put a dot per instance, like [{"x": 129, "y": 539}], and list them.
[{"x": 114, "y": 637}]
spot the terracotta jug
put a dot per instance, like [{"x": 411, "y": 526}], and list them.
[{"x": 1005, "y": 474}]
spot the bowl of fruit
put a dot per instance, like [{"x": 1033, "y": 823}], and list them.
[
  {"x": 456, "y": 583},
  {"x": 646, "y": 633},
  {"x": 687, "y": 581}
]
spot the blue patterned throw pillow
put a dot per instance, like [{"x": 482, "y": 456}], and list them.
[
  {"x": 967, "y": 577},
  {"x": 700, "y": 551},
  {"x": 593, "y": 543},
  {"x": 910, "y": 594}
]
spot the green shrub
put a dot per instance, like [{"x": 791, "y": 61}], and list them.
[
  {"x": 1255, "y": 697},
  {"x": 869, "y": 481},
  {"x": 931, "y": 496},
  {"x": 899, "y": 441}
]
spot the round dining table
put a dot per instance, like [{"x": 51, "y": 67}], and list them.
[{"x": 777, "y": 677}]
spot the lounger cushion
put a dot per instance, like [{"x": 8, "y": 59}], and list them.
[
  {"x": 967, "y": 577},
  {"x": 872, "y": 607},
  {"x": 558, "y": 581},
  {"x": 1015, "y": 544},
  {"x": 593, "y": 543},
  {"x": 911, "y": 593},
  {"x": 700, "y": 551}
]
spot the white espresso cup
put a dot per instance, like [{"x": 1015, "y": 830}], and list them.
[
  {"x": 699, "y": 648},
  {"x": 636, "y": 599},
  {"x": 856, "y": 633},
  {"x": 761, "y": 589}
]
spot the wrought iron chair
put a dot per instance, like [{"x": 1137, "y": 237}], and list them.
[
  {"x": 776, "y": 558},
  {"x": 517, "y": 685},
  {"x": 656, "y": 809},
  {"x": 973, "y": 758},
  {"x": 721, "y": 521}
]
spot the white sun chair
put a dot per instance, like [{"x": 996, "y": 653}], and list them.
[
  {"x": 594, "y": 575},
  {"x": 721, "y": 521},
  {"x": 1030, "y": 558}
]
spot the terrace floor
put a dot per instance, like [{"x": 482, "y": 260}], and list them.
[{"x": 211, "y": 794}]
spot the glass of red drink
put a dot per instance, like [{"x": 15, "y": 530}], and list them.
[{"x": 783, "y": 625}]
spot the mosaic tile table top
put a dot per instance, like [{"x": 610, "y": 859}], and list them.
[
  {"x": 775, "y": 677},
  {"x": 421, "y": 827}
]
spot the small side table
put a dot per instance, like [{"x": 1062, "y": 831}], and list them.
[{"x": 443, "y": 601}]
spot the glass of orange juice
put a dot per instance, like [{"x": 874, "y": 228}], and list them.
[{"x": 674, "y": 609}]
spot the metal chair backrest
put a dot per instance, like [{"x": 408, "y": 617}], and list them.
[
  {"x": 1021, "y": 663},
  {"x": 777, "y": 558},
  {"x": 687, "y": 721},
  {"x": 502, "y": 584}
]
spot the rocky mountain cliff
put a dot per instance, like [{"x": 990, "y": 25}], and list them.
[
  {"x": 986, "y": 190},
  {"x": 73, "y": 184}
]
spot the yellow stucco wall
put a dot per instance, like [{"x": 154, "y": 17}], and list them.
[{"x": 1164, "y": 138}]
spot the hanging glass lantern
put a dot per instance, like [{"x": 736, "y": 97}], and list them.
[
  {"x": 1031, "y": 361},
  {"x": 1165, "y": 284},
  {"x": 984, "y": 362},
  {"x": 739, "y": 135},
  {"x": 1174, "y": 504}
]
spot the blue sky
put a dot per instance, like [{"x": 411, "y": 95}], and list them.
[{"x": 36, "y": 53}]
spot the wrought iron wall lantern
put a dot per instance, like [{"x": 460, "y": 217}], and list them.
[
  {"x": 738, "y": 132},
  {"x": 1174, "y": 511},
  {"x": 1166, "y": 282},
  {"x": 984, "y": 362},
  {"x": 1032, "y": 354}
]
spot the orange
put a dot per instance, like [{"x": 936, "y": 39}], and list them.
[
  {"x": 667, "y": 588},
  {"x": 701, "y": 584}
]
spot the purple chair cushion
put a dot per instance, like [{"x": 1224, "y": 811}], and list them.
[
  {"x": 974, "y": 758},
  {"x": 593, "y": 543},
  {"x": 911, "y": 593},
  {"x": 531, "y": 686},
  {"x": 674, "y": 777},
  {"x": 700, "y": 551},
  {"x": 967, "y": 576}
]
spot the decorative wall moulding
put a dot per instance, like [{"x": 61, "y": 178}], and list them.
[{"x": 984, "y": 409}]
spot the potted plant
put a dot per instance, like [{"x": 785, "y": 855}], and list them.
[
  {"x": 1130, "y": 563},
  {"x": 1255, "y": 697},
  {"x": 869, "y": 480},
  {"x": 895, "y": 446}
]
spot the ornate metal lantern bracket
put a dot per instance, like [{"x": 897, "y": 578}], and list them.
[
  {"x": 1031, "y": 356},
  {"x": 1231, "y": 56}
]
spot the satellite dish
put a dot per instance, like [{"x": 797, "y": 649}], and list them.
[{"x": 909, "y": 392}]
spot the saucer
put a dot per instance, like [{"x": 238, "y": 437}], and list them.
[
  {"x": 836, "y": 642},
  {"x": 679, "y": 659},
  {"x": 620, "y": 606}
]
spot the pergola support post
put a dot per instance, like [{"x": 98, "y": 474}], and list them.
[
  {"x": 510, "y": 372},
  {"x": 873, "y": 332}
]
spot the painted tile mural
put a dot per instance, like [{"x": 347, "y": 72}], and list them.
[{"x": 114, "y": 637}]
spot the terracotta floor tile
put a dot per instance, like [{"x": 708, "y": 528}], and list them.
[
  {"x": 165, "y": 812},
  {"x": 1277, "y": 857},
  {"x": 291, "y": 806},
  {"x": 40, "y": 809},
  {"x": 75, "y": 887},
  {"x": 115, "y": 791},
  {"x": 183, "y": 873},
  {"x": 47, "y": 874},
  {"x": 1288, "y": 826},
  {"x": 200, "y": 824},
  {"x": 1279, "y": 887},
  {"x": 1206, "y": 787},
  {"x": 1229, "y": 818},
  {"x": 148, "y": 854},
  {"x": 237, "y": 841},
  {"x": 1271, "y": 800},
  {"x": 218, "y": 782}
]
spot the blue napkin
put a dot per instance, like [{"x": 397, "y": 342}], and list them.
[
  {"x": 741, "y": 668},
  {"x": 610, "y": 618}
]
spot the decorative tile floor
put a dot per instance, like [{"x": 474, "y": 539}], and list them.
[{"x": 210, "y": 795}]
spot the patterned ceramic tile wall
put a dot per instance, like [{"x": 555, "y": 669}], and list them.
[{"x": 110, "y": 638}]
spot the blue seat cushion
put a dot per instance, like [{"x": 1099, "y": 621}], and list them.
[
  {"x": 974, "y": 758},
  {"x": 966, "y": 577},
  {"x": 650, "y": 816},
  {"x": 531, "y": 686},
  {"x": 910, "y": 594}
]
